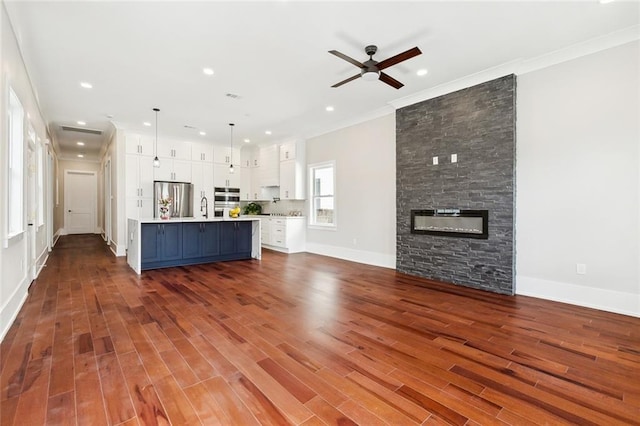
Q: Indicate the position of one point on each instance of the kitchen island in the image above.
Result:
(161, 243)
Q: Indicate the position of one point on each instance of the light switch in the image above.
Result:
(454, 158)
(581, 268)
(435, 161)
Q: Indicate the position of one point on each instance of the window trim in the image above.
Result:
(311, 224)
(15, 113)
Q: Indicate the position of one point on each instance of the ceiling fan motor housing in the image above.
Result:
(371, 49)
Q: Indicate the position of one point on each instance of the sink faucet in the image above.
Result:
(204, 205)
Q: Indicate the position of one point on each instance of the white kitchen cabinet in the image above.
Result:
(139, 144)
(202, 180)
(173, 170)
(139, 187)
(222, 177)
(292, 180)
(224, 155)
(269, 166)
(285, 234)
(249, 157)
(139, 208)
(288, 150)
(202, 152)
(177, 150)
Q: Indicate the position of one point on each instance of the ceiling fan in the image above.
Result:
(372, 70)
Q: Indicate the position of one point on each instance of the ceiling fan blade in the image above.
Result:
(346, 81)
(398, 58)
(346, 58)
(390, 80)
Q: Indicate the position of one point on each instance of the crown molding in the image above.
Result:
(524, 66)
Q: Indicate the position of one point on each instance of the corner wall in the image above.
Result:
(478, 125)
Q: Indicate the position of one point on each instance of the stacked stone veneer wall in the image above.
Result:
(477, 124)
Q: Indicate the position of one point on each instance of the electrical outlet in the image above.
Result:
(435, 161)
(581, 268)
(355, 241)
(454, 158)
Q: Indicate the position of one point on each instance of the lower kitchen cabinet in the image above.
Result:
(285, 234)
(200, 239)
(235, 238)
(186, 243)
(161, 242)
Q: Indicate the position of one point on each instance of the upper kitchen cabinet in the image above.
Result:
(222, 177)
(139, 144)
(173, 170)
(249, 157)
(224, 154)
(177, 150)
(202, 152)
(269, 166)
(288, 150)
(292, 171)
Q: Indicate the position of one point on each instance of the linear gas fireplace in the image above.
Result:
(451, 223)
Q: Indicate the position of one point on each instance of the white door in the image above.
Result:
(31, 209)
(80, 202)
(107, 201)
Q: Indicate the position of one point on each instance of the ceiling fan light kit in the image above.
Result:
(371, 70)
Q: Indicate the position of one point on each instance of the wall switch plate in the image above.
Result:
(454, 158)
(581, 268)
(435, 161)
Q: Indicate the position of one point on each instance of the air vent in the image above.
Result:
(81, 130)
(232, 96)
(189, 127)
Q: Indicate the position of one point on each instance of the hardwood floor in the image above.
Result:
(305, 340)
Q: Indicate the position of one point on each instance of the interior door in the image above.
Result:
(31, 208)
(80, 202)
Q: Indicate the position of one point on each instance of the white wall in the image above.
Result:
(365, 159)
(577, 181)
(14, 276)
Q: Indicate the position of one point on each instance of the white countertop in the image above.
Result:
(198, 219)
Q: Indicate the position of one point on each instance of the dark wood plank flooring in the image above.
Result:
(304, 340)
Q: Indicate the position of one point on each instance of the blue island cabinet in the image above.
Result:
(200, 239)
(161, 242)
(235, 241)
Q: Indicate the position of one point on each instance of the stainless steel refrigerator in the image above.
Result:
(180, 194)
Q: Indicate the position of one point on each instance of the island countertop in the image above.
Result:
(164, 244)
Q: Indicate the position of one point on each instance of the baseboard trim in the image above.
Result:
(605, 300)
(117, 250)
(359, 256)
(41, 261)
(9, 311)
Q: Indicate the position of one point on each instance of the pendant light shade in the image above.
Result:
(231, 156)
(156, 160)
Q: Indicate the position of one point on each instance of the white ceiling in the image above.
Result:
(273, 54)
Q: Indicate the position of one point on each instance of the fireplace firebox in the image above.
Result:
(451, 223)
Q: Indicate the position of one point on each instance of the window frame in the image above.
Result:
(14, 225)
(312, 223)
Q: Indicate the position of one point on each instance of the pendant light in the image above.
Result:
(156, 160)
(231, 157)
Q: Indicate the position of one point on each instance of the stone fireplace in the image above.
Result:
(455, 160)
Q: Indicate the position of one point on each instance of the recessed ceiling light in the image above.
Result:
(422, 72)
(81, 123)
(267, 132)
(80, 155)
(329, 108)
(203, 133)
(207, 71)
(247, 140)
(146, 123)
(80, 143)
(86, 85)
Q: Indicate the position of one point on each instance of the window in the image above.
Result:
(322, 190)
(15, 208)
